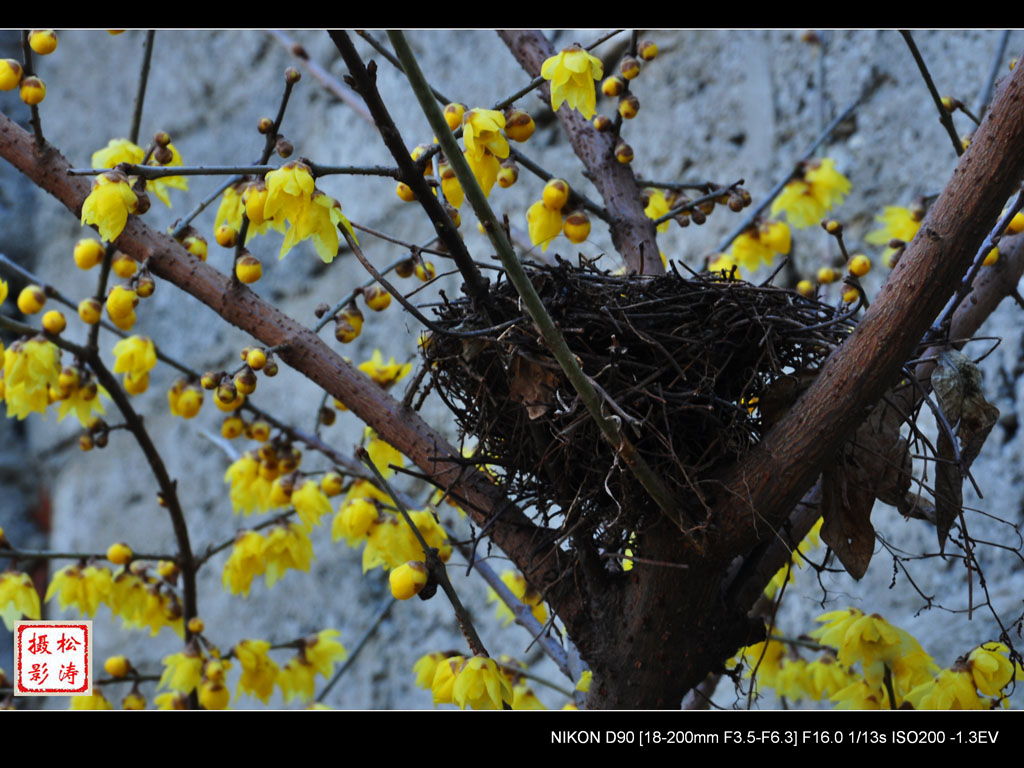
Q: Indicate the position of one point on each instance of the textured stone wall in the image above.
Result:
(714, 105)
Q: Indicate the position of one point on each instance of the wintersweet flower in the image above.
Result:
(897, 224)
(523, 697)
(425, 668)
(544, 224)
(952, 689)
(756, 246)
(120, 151)
(289, 191)
(657, 206)
(18, 597)
(230, 209)
(311, 503)
(808, 198)
(481, 685)
(323, 650)
(182, 671)
(297, 679)
(767, 663)
(250, 492)
(481, 131)
(319, 220)
(572, 74)
(97, 701)
(109, 203)
(83, 402)
(135, 357)
(287, 546)
(31, 369)
(444, 679)
(382, 454)
(245, 563)
(385, 374)
(991, 669)
(485, 168)
(84, 588)
(259, 671)
(725, 262)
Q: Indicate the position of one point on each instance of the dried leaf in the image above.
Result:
(532, 385)
(846, 508)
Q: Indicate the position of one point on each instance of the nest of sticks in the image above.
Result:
(695, 369)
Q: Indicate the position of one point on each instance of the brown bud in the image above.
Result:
(327, 416)
(405, 268)
(698, 216)
(321, 309)
(163, 155)
(162, 138)
(735, 203)
(101, 439)
(145, 285)
(264, 125)
(682, 220)
(143, 202)
(270, 369)
(284, 147)
(603, 123)
(299, 52)
(706, 207)
(292, 75)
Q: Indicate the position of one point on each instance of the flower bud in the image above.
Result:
(248, 269)
(602, 123)
(556, 194)
(42, 41)
(613, 85)
(90, 310)
(54, 322)
(623, 152)
(577, 227)
(264, 125)
(292, 75)
(629, 105)
(377, 298)
(629, 67)
(123, 265)
(453, 114)
(31, 299)
(88, 253)
(647, 50)
(519, 126)
(283, 147)
(10, 74)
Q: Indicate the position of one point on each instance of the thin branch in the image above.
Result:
(760, 207)
(382, 614)
(437, 569)
(944, 117)
(365, 82)
(140, 93)
(44, 554)
(160, 171)
(997, 64)
(329, 83)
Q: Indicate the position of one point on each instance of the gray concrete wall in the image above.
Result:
(714, 105)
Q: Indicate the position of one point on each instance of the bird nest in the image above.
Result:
(694, 369)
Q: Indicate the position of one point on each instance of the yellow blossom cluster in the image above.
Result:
(135, 357)
(317, 655)
(759, 245)
(18, 598)
(287, 200)
(476, 682)
(262, 480)
(139, 598)
(389, 541)
(897, 224)
(286, 546)
(869, 657)
(786, 575)
(31, 369)
(816, 190)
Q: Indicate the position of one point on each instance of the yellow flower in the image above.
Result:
(485, 168)
(245, 563)
(382, 454)
(481, 685)
(319, 219)
(18, 597)
(657, 206)
(806, 200)
(289, 191)
(83, 401)
(825, 677)
(384, 374)
(311, 503)
(523, 697)
(250, 491)
(725, 262)
(481, 131)
(31, 368)
(123, 151)
(136, 357)
(767, 662)
(860, 695)
(230, 209)
(950, 690)
(572, 74)
(897, 224)
(444, 679)
(259, 671)
(426, 667)
(182, 671)
(544, 223)
(756, 246)
(108, 204)
(585, 680)
(322, 651)
(287, 546)
(989, 666)
(296, 679)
